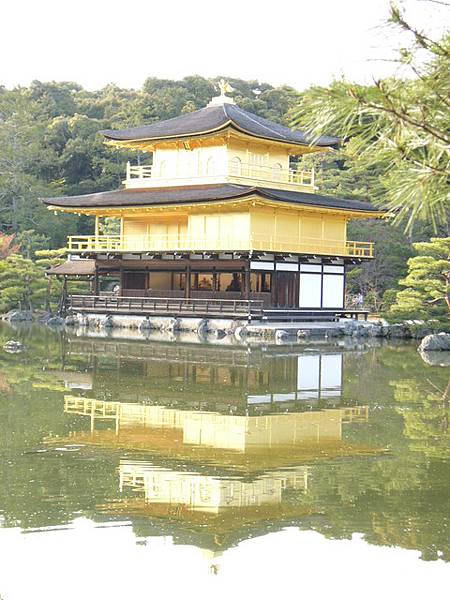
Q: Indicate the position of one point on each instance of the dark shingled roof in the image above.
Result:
(73, 267)
(200, 194)
(215, 118)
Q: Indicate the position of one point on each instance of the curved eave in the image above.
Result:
(131, 143)
(251, 199)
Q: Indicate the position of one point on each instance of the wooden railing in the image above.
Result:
(312, 246)
(197, 307)
(185, 243)
(78, 405)
(271, 174)
(139, 171)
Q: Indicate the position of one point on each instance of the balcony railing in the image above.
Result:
(192, 307)
(148, 176)
(186, 243)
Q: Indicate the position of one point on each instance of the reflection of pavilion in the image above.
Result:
(210, 510)
(249, 378)
(204, 493)
(209, 478)
(249, 442)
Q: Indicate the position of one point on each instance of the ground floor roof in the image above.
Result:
(184, 195)
(74, 268)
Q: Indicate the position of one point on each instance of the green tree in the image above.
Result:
(29, 242)
(22, 283)
(427, 283)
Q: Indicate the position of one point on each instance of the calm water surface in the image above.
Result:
(162, 468)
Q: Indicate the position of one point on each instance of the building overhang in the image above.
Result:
(206, 198)
(220, 136)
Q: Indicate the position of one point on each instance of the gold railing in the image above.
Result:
(185, 243)
(270, 174)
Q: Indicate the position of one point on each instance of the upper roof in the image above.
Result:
(216, 118)
(200, 194)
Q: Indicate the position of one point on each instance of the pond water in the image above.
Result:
(130, 469)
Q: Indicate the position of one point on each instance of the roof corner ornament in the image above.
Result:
(224, 88)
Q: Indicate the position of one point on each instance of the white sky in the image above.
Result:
(95, 42)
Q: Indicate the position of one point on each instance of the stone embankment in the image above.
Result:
(257, 330)
(219, 328)
(345, 327)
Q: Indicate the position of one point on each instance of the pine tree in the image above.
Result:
(427, 293)
(22, 283)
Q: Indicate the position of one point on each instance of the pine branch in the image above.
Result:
(421, 39)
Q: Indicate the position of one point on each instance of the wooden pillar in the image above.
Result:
(121, 281)
(62, 300)
(97, 225)
(96, 286)
(247, 279)
(274, 288)
(187, 291)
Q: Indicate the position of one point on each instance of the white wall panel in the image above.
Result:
(261, 265)
(310, 290)
(333, 291)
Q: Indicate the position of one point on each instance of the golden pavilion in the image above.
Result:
(222, 220)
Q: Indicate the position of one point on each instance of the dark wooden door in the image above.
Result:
(134, 281)
(287, 289)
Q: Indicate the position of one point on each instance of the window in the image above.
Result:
(160, 280)
(260, 282)
(202, 281)
(277, 171)
(211, 166)
(236, 166)
(179, 281)
(229, 282)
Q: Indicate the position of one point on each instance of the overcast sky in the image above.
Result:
(299, 43)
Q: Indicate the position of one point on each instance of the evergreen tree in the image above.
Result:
(22, 284)
(427, 283)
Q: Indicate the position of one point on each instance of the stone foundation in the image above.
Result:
(278, 332)
(199, 326)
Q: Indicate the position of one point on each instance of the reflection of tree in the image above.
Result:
(424, 406)
(395, 501)
(400, 499)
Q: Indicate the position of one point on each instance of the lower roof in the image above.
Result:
(201, 194)
(73, 267)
